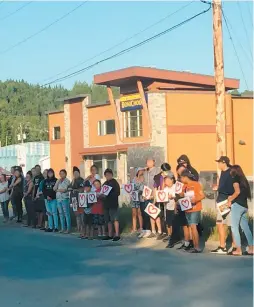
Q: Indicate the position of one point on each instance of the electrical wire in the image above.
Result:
(230, 37)
(17, 10)
(44, 29)
(118, 44)
(244, 26)
(130, 48)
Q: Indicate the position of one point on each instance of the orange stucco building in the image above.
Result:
(161, 113)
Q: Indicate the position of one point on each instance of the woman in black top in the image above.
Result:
(28, 199)
(17, 193)
(239, 209)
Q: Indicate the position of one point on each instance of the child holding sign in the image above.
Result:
(88, 217)
(135, 204)
(97, 211)
(193, 190)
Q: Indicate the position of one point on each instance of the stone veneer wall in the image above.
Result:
(67, 139)
(85, 102)
(158, 116)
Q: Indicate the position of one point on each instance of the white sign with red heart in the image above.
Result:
(134, 196)
(178, 187)
(105, 190)
(185, 203)
(82, 201)
(92, 198)
(161, 196)
(128, 188)
(152, 210)
(147, 192)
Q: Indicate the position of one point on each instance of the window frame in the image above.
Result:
(102, 127)
(54, 133)
(127, 119)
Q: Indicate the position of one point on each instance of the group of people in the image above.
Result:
(47, 197)
(48, 200)
(232, 186)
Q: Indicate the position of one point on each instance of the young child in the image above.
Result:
(136, 212)
(193, 190)
(169, 188)
(97, 211)
(88, 217)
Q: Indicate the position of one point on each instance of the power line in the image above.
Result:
(44, 29)
(130, 48)
(248, 55)
(230, 37)
(17, 10)
(119, 44)
(244, 26)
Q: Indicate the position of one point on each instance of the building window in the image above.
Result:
(56, 133)
(104, 162)
(133, 123)
(106, 127)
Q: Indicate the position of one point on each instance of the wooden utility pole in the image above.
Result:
(219, 80)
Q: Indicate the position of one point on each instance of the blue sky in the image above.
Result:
(97, 26)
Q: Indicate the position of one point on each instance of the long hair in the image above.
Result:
(236, 170)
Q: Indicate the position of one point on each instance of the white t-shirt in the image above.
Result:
(171, 191)
(4, 196)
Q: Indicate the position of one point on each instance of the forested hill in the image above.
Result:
(23, 107)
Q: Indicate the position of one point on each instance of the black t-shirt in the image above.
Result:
(225, 188)
(37, 180)
(111, 201)
(241, 199)
(47, 188)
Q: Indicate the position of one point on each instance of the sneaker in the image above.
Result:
(160, 236)
(146, 233)
(219, 250)
(116, 239)
(141, 235)
(152, 236)
(106, 238)
(170, 245)
(48, 230)
(194, 251)
(56, 230)
(181, 247)
(166, 239)
(188, 248)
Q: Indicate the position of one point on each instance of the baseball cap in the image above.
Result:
(87, 184)
(224, 159)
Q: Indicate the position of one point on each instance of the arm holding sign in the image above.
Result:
(198, 195)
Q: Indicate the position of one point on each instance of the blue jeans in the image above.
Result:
(63, 207)
(51, 206)
(239, 217)
(5, 210)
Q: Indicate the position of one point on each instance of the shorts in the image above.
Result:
(225, 220)
(39, 205)
(180, 218)
(98, 219)
(111, 215)
(193, 218)
(88, 219)
(135, 205)
(170, 215)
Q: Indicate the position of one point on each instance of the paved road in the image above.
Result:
(47, 270)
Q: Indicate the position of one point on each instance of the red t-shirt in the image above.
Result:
(97, 208)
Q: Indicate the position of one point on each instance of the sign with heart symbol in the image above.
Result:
(134, 196)
(147, 192)
(128, 188)
(152, 210)
(178, 187)
(161, 196)
(185, 203)
(105, 190)
(74, 203)
(92, 198)
(82, 200)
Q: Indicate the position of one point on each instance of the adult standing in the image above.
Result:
(50, 200)
(185, 161)
(239, 209)
(4, 197)
(28, 199)
(225, 189)
(149, 173)
(17, 193)
(10, 183)
(63, 202)
(39, 202)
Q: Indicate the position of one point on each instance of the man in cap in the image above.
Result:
(225, 189)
